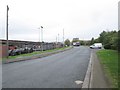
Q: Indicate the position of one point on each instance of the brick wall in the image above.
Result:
(3, 52)
(0, 51)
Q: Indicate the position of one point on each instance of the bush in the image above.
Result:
(113, 47)
(107, 46)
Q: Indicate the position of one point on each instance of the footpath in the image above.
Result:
(34, 56)
(95, 77)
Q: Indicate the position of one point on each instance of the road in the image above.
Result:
(56, 71)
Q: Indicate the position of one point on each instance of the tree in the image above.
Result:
(102, 37)
(109, 39)
(82, 42)
(92, 41)
(96, 40)
(118, 41)
(67, 42)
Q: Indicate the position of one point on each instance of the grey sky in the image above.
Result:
(79, 18)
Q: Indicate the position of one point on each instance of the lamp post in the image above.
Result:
(39, 38)
(7, 42)
(42, 38)
(41, 27)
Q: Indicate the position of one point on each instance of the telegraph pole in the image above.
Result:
(7, 42)
(58, 37)
(63, 37)
(56, 41)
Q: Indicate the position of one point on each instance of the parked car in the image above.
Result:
(22, 50)
(12, 52)
(17, 51)
(96, 46)
(30, 50)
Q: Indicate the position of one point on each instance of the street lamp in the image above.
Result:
(42, 37)
(7, 42)
(41, 27)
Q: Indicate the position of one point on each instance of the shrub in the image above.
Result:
(107, 46)
(113, 47)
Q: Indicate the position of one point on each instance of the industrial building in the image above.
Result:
(36, 46)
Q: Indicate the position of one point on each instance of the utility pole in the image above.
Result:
(7, 42)
(56, 42)
(58, 37)
(39, 38)
(63, 37)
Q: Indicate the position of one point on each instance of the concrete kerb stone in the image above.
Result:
(88, 76)
(34, 57)
(92, 65)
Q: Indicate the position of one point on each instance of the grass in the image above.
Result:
(34, 53)
(109, 60)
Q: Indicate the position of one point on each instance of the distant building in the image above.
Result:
(17, 44)
(75, 39)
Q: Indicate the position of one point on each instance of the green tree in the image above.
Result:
(102, 37)
(109, 39)
(67, 42)
(82, 42)
(92, 41)
(96, 40)
(87, 42)
(118, 41)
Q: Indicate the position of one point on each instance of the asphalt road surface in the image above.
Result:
(56, 71)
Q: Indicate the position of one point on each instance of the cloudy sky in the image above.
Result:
(83, 19)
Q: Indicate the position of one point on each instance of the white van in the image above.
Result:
(76, 43)
(96, 46)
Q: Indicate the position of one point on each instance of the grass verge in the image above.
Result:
(109, 60)
(34, 53)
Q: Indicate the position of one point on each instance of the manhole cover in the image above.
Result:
(78, 82)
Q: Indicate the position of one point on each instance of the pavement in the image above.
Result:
(95, 77)
(62, 70)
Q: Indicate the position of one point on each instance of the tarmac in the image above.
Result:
(95, 77)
